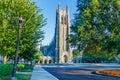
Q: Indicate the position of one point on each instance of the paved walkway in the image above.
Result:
(40, 74)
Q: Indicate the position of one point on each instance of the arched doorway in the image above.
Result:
(65, 58)
(45, 62)
(50, 61)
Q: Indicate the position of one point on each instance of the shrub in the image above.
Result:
(5, 69)
(20, 66)
(28, 68)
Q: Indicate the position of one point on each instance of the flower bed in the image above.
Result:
(115, 72)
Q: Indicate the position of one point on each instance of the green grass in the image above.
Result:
(26, 70)
(19, 77)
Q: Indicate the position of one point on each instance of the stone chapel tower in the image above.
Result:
(63, 50)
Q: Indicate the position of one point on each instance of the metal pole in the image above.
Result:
(16, 56)
(17, 48)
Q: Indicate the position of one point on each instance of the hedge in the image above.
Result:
(5, 69)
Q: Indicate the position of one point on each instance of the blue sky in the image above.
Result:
(49, 10)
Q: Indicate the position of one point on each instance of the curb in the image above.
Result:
(24, 72)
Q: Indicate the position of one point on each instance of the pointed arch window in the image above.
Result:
(62, 19)
(65, 20)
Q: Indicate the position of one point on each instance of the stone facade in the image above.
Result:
(63, 51)
(59, 50)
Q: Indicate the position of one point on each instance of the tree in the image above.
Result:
(38, 57)
(31, 32)
(75, 38)
(95, 28)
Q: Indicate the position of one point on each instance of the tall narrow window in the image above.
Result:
(62, 20)
(65, 20)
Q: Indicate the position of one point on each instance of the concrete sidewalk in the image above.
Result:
(40, 74)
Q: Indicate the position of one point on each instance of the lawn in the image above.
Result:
(19, 77)
(111, 72)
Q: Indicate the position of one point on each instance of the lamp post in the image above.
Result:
(20, 23)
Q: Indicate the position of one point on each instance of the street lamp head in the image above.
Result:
(20, 21)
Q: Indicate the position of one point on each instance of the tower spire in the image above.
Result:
(67, 9)
(58, 5)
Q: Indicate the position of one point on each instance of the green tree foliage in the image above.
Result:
(75, 36)
(96, 28)
(31, 33)
(38, 57)
(29, 54)
(75, 53)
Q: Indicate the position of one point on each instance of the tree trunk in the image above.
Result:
(17, 60)
(4, 59)
(31, 62)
